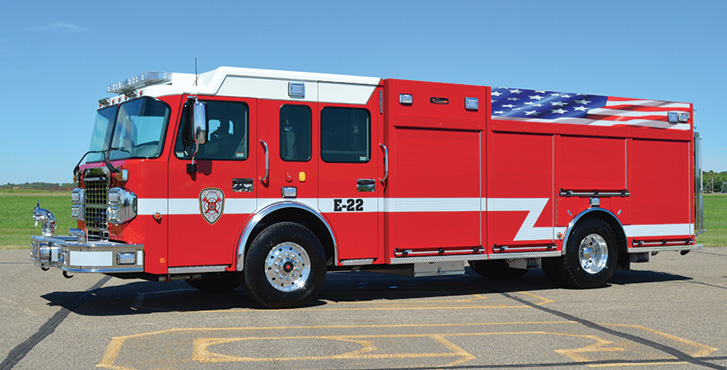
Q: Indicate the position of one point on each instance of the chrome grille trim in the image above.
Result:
(96, 183)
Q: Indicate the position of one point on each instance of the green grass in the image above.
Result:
(16, 210)
(715, 221)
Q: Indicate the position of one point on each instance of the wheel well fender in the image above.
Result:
(613, 221)
(287, 211)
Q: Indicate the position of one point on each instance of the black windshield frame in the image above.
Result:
(152, 125)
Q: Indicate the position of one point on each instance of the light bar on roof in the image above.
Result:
(144, 79)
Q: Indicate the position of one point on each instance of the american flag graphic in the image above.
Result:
(583, 109)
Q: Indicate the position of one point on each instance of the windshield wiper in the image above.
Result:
(106, 161)
(78, 165)
(106, 158)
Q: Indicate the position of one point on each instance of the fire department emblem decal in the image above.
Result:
(211, 204)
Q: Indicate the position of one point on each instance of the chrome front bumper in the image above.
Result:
(69, 254)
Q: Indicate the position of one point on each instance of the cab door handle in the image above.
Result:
(366, 185)
(243, 185)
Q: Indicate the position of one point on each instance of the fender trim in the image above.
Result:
(267, 210)
(575, 220)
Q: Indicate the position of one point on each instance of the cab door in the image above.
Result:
(349, 173)
(286, 130)
(209, 203)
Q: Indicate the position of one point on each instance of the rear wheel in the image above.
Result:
(591, 255)
(285, 267)
(498, 269)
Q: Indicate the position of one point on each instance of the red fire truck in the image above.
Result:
(270, 178)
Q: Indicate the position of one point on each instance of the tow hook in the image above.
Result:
(67, 275)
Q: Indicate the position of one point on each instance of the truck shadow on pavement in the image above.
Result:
(141, 297)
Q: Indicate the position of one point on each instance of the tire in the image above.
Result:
(591, 255)
(285, 267)
(216, 283)
(498, 269)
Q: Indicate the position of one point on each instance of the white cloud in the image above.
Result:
(62, 27)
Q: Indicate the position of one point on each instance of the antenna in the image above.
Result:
(196, 75)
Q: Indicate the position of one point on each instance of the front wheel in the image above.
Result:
(285, 267)
(591, 255)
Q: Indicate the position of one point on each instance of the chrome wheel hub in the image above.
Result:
(593, 253)
(287, 267)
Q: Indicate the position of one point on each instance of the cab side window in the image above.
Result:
(345, 135)
(227, 128)
(295, 133)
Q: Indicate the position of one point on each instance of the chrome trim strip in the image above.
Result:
(406, 252)
(595, 193)
(196, 269)
(103, 271)
(503, 256)
(257, 217)
(357, 262)
(504, 248)
(698, 186)
(579, 216)
(466, 257)
(59, 251)
(665, 248)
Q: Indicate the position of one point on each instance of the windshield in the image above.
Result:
(135, 129)
(101, 133)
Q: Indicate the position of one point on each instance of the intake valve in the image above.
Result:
(46, 218)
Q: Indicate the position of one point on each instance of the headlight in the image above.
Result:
(122, 206)
(77, 201)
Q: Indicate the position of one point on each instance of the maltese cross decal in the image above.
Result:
(211, 204)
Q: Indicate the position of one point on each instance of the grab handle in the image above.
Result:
(386, 163)
(267, 161)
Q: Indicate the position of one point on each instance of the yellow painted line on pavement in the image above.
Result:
(116, 344)
(543, 300)
(201, 351)
(203, 354)
(624, 364)
(705, 350)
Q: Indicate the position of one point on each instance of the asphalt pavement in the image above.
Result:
(670, 313)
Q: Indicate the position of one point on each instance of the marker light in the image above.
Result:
(144, 79)
(673, 117)
(296, 90)
(471, 103)
(683, 117)
(406, 99)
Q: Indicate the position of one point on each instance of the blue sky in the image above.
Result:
(56, 58)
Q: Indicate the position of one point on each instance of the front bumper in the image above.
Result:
(69, 254)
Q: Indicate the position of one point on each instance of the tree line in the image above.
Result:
(48, 186)
(714, 182)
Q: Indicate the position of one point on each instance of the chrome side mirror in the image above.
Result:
(199, 130)
(199, 122)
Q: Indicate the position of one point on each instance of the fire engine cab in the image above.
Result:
(270, 179)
